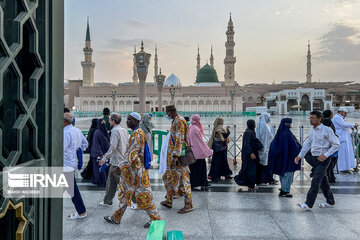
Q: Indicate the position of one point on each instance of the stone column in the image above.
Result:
(172, 94)
(160, 79)
(232, 95)
(142, 63)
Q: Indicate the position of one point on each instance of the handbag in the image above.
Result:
(219, 146)
(189, 157)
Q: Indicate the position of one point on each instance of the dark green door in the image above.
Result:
(31, 109)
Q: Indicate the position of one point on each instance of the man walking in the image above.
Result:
(346, 157)
(70, 164)
(322, 142)
(176, 173)
(115, 155)
(134, 178)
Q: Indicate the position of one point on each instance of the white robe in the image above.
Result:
(346, 159)
(265, 135)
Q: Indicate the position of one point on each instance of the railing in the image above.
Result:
(162, 114)
(234, 147)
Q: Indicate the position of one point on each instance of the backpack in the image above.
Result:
(147, 156)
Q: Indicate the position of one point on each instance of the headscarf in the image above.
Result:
(251, 125)
(146, 125)
(195, 121)
(94, 123)
(264, 134)
(283, 150)
(101, 141)
(218, 129)
(91, 132)
(102, 128)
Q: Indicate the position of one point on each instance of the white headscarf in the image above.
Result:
(265, 135)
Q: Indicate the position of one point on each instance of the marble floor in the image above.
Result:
(227, 211)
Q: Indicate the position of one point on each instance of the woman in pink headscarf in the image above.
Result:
(198, 170)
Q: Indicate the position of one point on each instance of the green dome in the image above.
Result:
(207, 74)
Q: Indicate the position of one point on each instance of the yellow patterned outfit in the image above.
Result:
(175, 177)
(134, 179)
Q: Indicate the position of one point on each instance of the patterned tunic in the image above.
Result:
(178, 175)
(134, 179)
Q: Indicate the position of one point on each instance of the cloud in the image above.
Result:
(128, 44)
(180, 44)
(340, 44)
(139, 24)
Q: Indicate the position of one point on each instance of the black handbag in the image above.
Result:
(189, 157)
(219, 146)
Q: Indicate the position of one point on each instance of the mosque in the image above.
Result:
(208, 93)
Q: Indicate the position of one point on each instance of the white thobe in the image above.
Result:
(346, 159)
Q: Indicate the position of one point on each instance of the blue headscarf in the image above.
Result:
(283, 150)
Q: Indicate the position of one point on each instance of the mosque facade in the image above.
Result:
(207, 93)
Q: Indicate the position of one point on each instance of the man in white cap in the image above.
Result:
(346, 159)
(134, 178)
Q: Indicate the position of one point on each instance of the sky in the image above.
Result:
(271, 38)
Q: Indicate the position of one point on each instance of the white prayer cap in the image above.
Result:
(342, 109)
(136, 116)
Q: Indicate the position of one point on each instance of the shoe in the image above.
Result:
(111, 220)
(326, 205)
(285, 194)
(134, 206)
(185, 210)
(166, 204)
(345, 172)
(228, 177)
(75, 216)
(275, 182)
(147, 225)
(105, 205)
(304, 206)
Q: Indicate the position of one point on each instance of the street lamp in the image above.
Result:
(172, 94)
(113, 96)
(142, 62)
(160, 79)
(232, 95)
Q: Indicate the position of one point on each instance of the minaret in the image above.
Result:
(308, 65)
(135, 76)
(156, 64)
(230, 60)
(211, 58)
(198, 61)
(88, 65)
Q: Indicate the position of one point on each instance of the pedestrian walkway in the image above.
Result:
(227, 211)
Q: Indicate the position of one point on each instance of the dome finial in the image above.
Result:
(230, 17)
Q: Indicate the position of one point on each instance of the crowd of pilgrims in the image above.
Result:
(264, 154)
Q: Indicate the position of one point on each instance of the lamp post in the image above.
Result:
(160, 79)
(232, 95)
(172, 94)
(142, 63)
(113, 96)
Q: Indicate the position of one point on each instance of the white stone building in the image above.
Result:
(299, 99)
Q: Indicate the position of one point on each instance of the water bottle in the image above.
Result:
(103, 167)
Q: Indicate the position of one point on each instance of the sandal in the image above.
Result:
(75, 216)
(111, 220)
(326, 205)
(304, 206)
(134, 207)
(166, 204)
(185, 210)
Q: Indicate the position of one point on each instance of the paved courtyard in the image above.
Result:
(227, 211)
